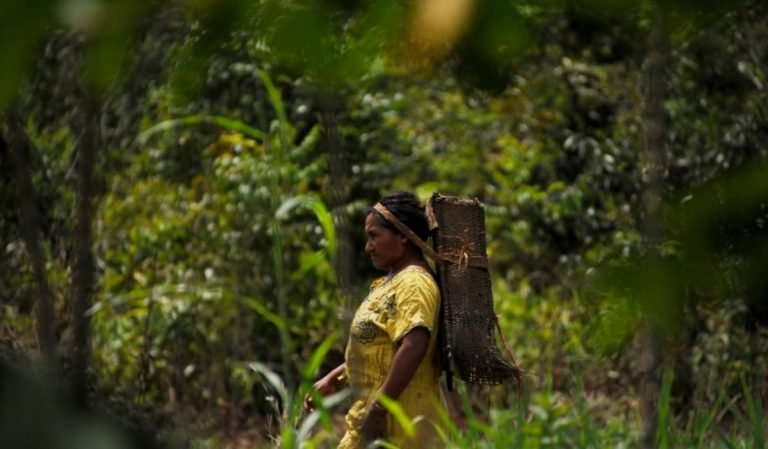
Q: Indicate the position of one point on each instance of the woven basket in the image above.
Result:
(468, 322)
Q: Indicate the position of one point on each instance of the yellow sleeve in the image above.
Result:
(417, 304)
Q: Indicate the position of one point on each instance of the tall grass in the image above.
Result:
(541, 417)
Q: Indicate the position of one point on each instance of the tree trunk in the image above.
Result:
(19, 149)
(83, 272)
(655, 137)
(333, 145)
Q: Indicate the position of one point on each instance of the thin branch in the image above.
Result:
(19, 149)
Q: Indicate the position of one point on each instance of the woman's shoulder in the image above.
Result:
(416, 275)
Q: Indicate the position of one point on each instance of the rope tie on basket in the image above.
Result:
(463, 259)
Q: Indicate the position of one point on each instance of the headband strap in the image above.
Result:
(463, 259)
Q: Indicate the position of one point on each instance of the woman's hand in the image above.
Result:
(375, 424)
(326, 386)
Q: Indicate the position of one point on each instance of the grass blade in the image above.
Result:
(318, 207)
(262, 310)
(756, 415)
(664, 435)
(191, 120)
(318, 356)
(399, 414)
(272, 378)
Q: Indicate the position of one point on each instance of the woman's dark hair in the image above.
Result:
(407, 208)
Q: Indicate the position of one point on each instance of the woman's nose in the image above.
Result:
(368, 247)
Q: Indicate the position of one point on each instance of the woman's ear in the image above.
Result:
(403, 239)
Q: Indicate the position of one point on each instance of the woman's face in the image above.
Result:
(385, 247)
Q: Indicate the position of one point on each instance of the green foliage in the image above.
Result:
(186, 249)
(547, 418)
(242, 144)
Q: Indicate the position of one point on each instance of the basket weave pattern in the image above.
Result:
(469, 321)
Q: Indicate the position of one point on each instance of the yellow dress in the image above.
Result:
(393, 308)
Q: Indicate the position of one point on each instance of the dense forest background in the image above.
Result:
(183, 188)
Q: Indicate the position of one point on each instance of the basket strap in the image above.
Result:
(448, 368)
(464, 259)
(518, 370)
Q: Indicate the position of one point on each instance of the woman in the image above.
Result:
(393, 335)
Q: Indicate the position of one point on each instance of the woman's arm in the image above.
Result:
(336, 373)
(406, 361)
(329, 384)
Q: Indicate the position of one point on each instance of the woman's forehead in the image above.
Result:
(372, 222)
